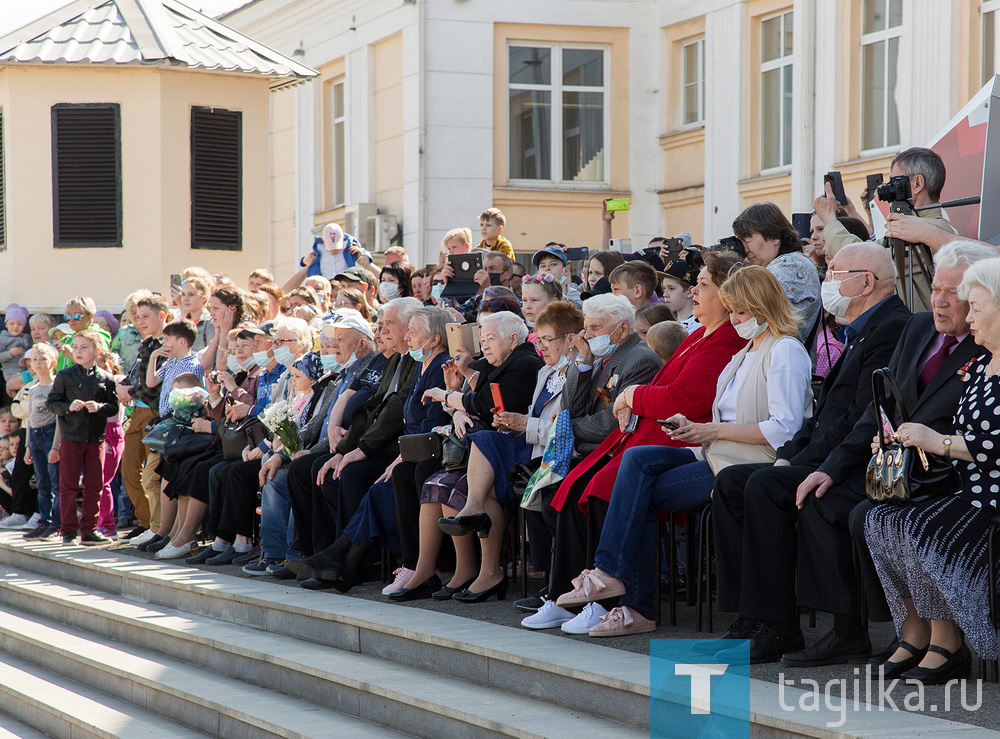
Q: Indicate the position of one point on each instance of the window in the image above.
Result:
(776, 91)
(86, 175)
(557, 114)
(693, 83)
(882, 21)
(337, 150)
(216, 179)
(989, 10)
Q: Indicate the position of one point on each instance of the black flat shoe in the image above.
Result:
(343, 585)
(532, 603)
(223, 558)
(146, 544)
(462, 525)
(832, 649)
(137, 531)
(421, 591)
(155, 546)
(883, 656)
(892, 670)
(316, 566)
(447, 591)
(202, 556)
(958, 665)
(499, 590)
(762, 646)
(741, 628)
(313, 583)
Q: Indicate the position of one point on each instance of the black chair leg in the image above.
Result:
(522, 525)
(704, 573)
(671, 564)
(658, 606)
(689, 556)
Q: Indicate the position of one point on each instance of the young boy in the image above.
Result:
(491, 225)
(664, 338)
(635, 280)
(259, 277)
(552, 261)
(677, 279)
(83, 397)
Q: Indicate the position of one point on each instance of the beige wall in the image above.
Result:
(155, 150)
(387, 57)
(283, 247)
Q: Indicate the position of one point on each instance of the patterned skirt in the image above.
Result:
(935, 553)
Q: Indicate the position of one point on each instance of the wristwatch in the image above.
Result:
(947, 446)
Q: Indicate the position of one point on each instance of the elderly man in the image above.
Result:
(792, 521)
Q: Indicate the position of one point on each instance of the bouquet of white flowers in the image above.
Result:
(279, 419)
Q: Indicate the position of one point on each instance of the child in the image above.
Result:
(178, 337)
(491, 225)
(83, 397)
(664, 338)
(635, 280)
(649, 315)
(14, 342)
(114, 447)
(552, 261)
(677, 279)
(258, 277)
(43, 441)
(6, 468)
(303, 375)
(22, 502)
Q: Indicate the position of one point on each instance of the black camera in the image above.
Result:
(730, 243)
(896, 189)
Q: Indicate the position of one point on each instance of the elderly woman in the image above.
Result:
(771, 241)
(193, 302)
(931, 556)
(342, 564)
(685, 385)
(521, 438)
(511, 363)
(761, 397)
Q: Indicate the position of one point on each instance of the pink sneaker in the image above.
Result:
(401, 577)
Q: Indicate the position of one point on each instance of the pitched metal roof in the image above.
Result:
(145, 32)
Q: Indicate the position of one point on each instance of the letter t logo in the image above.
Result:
(701, 684)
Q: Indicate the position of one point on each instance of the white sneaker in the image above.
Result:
(36, 518)
(403, 576)
(172, 552)
(142, 538)
(547, 617)
(590, 616)
(14, 521)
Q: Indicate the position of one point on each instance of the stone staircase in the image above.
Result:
(94, 643)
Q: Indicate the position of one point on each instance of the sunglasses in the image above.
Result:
(73, 316)
(495, 305)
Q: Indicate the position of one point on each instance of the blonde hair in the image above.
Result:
(82, 303)
(46, 350)
(190, 272)
(665, 337)
(262, 274)
(133, 298)
(461, 232)
(754, 290)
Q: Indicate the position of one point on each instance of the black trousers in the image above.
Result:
(24, 499)
(878, 609)
(308, 506)
(236, 499)
(343, 496)
(772, 557)
(576, 534)
(407, 480)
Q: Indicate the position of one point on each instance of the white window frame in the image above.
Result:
(699, 82)
(786, 60)
(987, 7)
(338, 157)
(873, 38)
(556, 90)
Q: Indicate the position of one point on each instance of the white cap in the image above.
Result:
(63, 327)
(349, 318)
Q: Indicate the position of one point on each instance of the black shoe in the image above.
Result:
(137, 531)
(462, 525)
(830, 650)
(146, 544)
(313, 583)
(94, 539)
(223, 558)
(532, 603)
(499, 590)
(885, 654)
(203, 556)
(957, 666)
(765, 645)
(424, 590)
(891, 670)
(36, 533)
(69, 539)
(157, 545)
(281, 573)
(447, 591)
(311, 567)
(741, 628)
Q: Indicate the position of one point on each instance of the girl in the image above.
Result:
(43, 441)
(537, 291)
(114, 441)
(14, 342)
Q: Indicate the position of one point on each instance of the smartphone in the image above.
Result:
(801, 222)
(497, 398)
(838, 186)
(462, 334)
(576, 253)
(667, 424)
(633, 421)
(872, 181)
(175, 282)
(622, 245)
(616, 204)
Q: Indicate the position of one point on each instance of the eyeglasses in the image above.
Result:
(544, 342)
(282, 342)
(849, 271)
(73, 316)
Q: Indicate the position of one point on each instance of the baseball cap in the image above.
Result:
(549, 250)
(63, 327)
(354, 274)
(351, 318)
(680, 269)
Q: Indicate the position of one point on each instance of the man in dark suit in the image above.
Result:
(754, 504)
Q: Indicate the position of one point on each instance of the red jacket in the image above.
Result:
(685, 385)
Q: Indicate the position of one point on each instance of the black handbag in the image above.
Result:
(176, 440)
(415, 448)
(898, 474)
(237, 435)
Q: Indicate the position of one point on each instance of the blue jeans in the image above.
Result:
(276, 522)
(47, 475)
(651, 479)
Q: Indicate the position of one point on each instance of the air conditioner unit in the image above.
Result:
(356, 221)
(381, 231)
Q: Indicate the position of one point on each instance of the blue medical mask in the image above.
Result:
(419, 355)
(601, 346)
(351, 360)
(261, 359)
(283, 356)
(436, 291)
(563, 361)
(232, 364)
(329, 362)
(248, 364)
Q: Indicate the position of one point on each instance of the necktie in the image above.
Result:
(935, 362)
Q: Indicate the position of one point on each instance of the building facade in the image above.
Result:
(429, 111)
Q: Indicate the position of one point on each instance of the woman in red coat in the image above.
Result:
(684, 385)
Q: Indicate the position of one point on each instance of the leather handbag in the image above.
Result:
(415, 448)
(898, 474)
(237, 435)
(175, 440)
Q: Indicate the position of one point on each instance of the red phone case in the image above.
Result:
(497, 400)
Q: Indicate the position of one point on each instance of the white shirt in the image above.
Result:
(331, 263)
(690, 324)
(787, 381)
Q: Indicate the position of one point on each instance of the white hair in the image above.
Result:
(405, 307)
(985, 274)
(963, 253)
(506, 323)
(610, 306)
(298, 328)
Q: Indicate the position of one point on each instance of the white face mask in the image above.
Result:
(750, 329)
(834, 302)
(388, 290)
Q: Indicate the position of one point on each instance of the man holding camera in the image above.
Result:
(930, 227)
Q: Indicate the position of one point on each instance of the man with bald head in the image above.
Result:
(758, 530)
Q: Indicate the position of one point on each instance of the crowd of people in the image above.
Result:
(298, 430)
